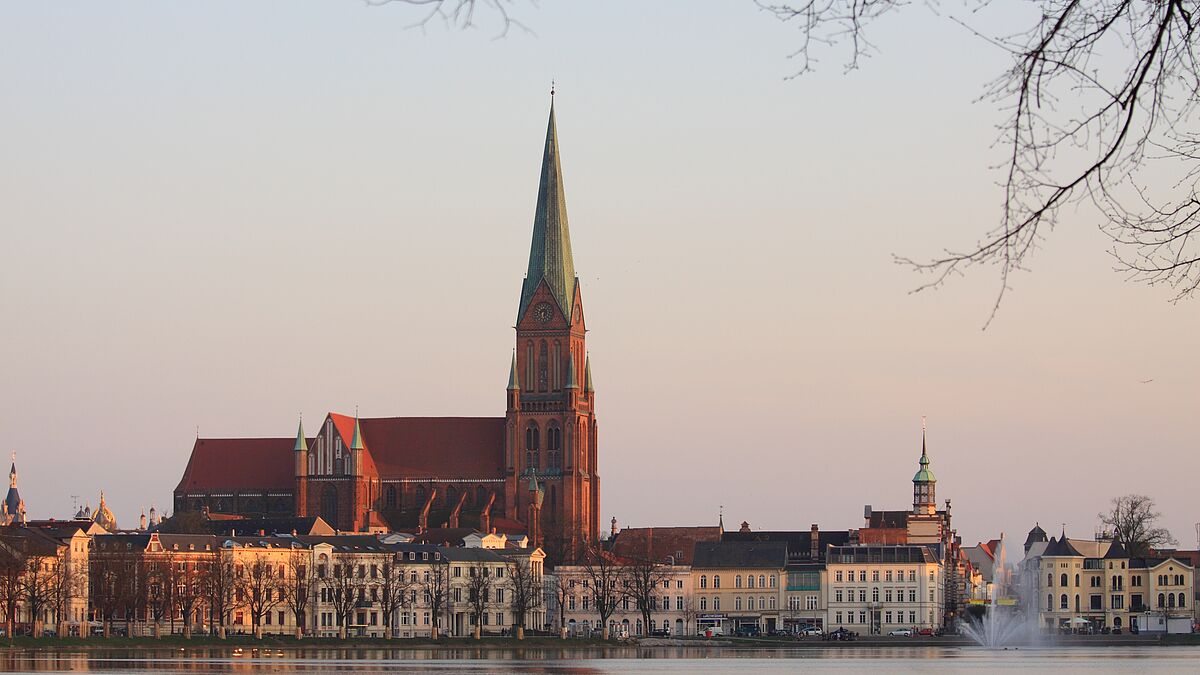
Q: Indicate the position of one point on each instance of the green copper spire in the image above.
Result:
(572, 382)
(550, 254)
(587, 374)
(924, 475)
(357, 443)
(514, 383)
(301, 439)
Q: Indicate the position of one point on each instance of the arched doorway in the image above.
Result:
(329, 505)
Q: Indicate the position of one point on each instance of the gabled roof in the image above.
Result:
(550, 258)
(1060, 548)
(429, 447)
(739, 554)
(660, 543)
(239, 464)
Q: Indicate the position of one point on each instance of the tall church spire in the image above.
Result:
(550, 254)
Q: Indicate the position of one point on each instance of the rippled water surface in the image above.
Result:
(621, 661)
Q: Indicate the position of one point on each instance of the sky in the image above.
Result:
(221, 215)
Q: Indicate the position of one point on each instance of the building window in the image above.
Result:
(1063, 602)
(703, 603)
(716, 581)
(703, 581)
(737, 581)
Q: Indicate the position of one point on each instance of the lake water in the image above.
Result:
(631, 661)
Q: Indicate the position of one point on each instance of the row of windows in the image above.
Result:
(750, 603)
(887, 618)
(764, 581)
(888, 575)
(1165, 601)
(888, 595)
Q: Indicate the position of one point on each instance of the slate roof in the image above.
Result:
(880, 554)
(739, 554)
(888, 519)
(1060, 548)
(313, 525)
(799, 542)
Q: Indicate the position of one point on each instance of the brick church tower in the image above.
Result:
(550, 431)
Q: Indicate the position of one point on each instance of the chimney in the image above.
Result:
(614, 529)
(814, 547)
(262, 532)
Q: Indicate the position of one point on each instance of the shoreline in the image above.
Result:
(246, 645)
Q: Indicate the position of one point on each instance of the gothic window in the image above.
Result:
(543, 363)
(554, 446)
(329, 505)
(451, 497)
(532, 446)
(419, 497)
(481, 496)
(529, 367)
(558, 383)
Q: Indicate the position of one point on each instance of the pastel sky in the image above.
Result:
(222, 214)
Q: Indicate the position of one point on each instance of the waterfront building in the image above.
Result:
(533, 470)
(737, 585)
(1090, 585)
(876, 589)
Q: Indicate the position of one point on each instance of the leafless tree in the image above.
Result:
(394, 590)
(66, 586)
(602, 573)
(479, 591)
(220, 582)
(38, 589)
(641, 579)
(1134, 521)
(105, 588)
(525, 586)
(690, 614)
(1100, 97)
(258, 585)
(190, 591)
(12, 565)
(162, 581)
(459, 13)
(435, 587)
(297, 587)
(559, 587)
(342, 589)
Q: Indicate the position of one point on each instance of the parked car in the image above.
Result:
(901, 632)
(841, 634)
(660, 632)
(711, 631)
(812, 631)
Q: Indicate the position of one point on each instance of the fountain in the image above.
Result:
(1003, 625)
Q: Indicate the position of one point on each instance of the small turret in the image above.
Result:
(301, 450)
(572, 381)
(587, 375)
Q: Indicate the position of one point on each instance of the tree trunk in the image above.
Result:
(562, 632)
(258, 632)
(157, 630)
(604, 632)
(520, 632)
(187, 630)
(478, 631)
(433, 633)
(342, 632)
(299, 632)
(107, 628)
(221, 632)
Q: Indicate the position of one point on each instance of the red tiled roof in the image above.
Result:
(429, 447)
(658, 543)
(239, 464)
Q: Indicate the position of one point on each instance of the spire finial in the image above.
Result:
(551, 88)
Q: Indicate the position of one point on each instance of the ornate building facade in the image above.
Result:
(533, 470)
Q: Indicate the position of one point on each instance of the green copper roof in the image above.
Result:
(924, 475)
(357, 443)
(301, 440)
(587, 374)
(550, 254)
(572, 381)
(514, 383)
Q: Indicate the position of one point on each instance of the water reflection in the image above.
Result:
(592, 661)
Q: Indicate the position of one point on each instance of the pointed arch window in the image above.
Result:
(558, 383)
(532, 446)
(389, 500)
(554, 446)
(529, 366)
(543, 366)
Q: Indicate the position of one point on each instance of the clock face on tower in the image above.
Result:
(543, 312)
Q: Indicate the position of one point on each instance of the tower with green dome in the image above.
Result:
(924, 484)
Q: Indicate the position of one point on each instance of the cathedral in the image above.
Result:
(531, 471)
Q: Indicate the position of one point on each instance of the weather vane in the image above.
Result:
(552, 87)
